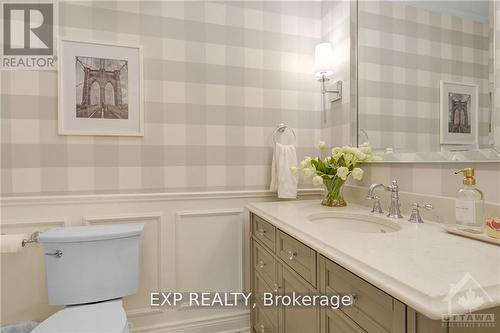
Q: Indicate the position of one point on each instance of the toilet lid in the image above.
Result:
(103, 317)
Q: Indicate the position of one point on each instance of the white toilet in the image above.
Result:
(89, 269)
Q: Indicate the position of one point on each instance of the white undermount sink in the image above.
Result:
(352, 222)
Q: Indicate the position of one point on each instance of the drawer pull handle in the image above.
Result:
(262, 328)
(292, 255)
(276, 288)
(261, 264)
(261, 232)
(57, 254)
(354, 297)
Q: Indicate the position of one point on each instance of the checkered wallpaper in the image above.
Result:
(218, 77)
(404, 52)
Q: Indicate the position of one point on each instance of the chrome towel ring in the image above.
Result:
(280, 129)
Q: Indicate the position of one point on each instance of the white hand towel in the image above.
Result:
(283, 180)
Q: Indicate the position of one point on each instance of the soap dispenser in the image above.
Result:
(469, 204)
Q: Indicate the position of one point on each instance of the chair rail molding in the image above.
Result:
(138, 197)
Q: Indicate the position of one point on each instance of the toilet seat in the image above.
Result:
(103, 317)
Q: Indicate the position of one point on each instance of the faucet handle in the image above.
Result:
(426, 206)
(376, 205)
(415, 213)
(394, 186)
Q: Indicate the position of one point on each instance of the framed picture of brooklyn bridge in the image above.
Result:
(459, 113)
(100, 89)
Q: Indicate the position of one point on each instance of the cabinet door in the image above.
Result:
(373, 310)
(262, 323)
(337, 322)
(418, 323)
(264, 263)
(261, 287)
(297, 319)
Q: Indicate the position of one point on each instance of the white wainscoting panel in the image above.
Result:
(209, 250)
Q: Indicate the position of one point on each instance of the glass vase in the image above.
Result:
(333, 193)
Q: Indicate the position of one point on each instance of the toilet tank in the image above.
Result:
(91, 263)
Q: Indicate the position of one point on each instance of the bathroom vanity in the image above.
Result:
(399, 273)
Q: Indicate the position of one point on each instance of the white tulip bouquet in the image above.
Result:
(333, 170)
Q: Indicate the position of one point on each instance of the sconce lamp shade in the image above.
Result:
(323, 59)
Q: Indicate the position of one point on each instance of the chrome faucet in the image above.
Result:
(415, 213)
(376, 200)
(394, 210)
(372, 188)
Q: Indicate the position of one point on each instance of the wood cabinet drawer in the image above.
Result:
(260, 287)
(264, 232)
(337, 322)
(373, 310)
(262, 323)
(265, 264)
(298, 256)
(297, 319)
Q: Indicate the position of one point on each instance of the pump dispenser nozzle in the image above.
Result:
(469, 178)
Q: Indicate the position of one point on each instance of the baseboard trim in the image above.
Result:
(238, 322)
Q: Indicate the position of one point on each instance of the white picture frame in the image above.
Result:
(100, 88)
(458, 120)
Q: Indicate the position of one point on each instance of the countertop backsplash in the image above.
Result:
(443, 211)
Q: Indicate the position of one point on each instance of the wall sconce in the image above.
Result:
(323, 59)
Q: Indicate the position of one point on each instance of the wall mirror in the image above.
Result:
(426, 79)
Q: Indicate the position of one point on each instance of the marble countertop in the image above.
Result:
(418, 265)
